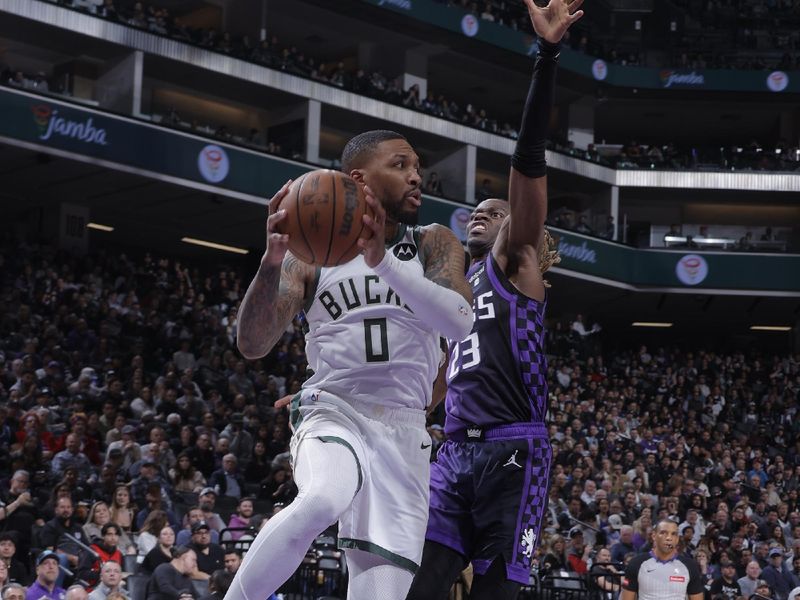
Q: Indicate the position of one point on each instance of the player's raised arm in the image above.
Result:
(276, 293)
(527, 192)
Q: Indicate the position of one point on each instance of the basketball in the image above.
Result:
(324, 210)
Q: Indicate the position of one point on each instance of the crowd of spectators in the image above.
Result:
(709, 440)
(732, 34)
(129, 421)
(751, 156)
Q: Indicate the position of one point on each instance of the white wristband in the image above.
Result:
(442, 309)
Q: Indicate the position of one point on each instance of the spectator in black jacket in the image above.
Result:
(210, 556)
(171, 579)
(53, 535)
(17, 570)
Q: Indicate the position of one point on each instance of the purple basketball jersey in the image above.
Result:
(497, 374)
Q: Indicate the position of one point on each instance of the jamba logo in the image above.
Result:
(50, 123)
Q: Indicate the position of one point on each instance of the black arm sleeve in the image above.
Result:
(528, 157)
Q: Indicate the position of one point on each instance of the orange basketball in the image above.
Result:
(324, 210)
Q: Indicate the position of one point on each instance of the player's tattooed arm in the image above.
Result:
(444, 259)
(275, 295)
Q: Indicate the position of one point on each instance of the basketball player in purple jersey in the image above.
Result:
(489, 482)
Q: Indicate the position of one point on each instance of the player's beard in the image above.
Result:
(399, 214)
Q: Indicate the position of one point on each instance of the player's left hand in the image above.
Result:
(552, 21)
(373, 243)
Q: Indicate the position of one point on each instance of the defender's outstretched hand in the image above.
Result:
(277, 243)
(552, 21)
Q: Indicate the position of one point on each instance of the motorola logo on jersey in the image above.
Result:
(405, 251)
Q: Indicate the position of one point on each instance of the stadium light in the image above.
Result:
(651, 324)
(214, 245)
(770, 328)
(99, 227)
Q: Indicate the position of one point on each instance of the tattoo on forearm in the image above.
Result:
(445, 263)
(268, 304)
(438, 268)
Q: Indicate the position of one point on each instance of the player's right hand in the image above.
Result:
(373, 240)
(277, 243)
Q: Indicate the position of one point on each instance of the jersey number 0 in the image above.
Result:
(376, 341)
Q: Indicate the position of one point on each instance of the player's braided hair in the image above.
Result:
(548, 254)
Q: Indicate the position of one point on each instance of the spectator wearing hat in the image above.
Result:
(131, 451)
(210, 556)
(726, 585)
(748, 583)
(17, 570)
(207, 501)
(47, 571)
(777, 575)
(227, 481)
(110, 581)
(578, 553)
(241, 441)
(612, 528)
(763, 591)
(624, 546)
(172, 579)
(194, 515)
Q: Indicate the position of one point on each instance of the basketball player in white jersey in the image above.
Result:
(360, 448)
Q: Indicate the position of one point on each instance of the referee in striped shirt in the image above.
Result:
(662, 574)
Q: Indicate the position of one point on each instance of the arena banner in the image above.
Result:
(648, 268)
(468, 24)
(48, 124)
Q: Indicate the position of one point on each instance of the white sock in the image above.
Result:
(327, 479)
(372, 576)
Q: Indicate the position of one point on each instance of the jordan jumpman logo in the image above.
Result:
(513, 460)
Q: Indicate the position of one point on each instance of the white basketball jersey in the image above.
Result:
(364, 344)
